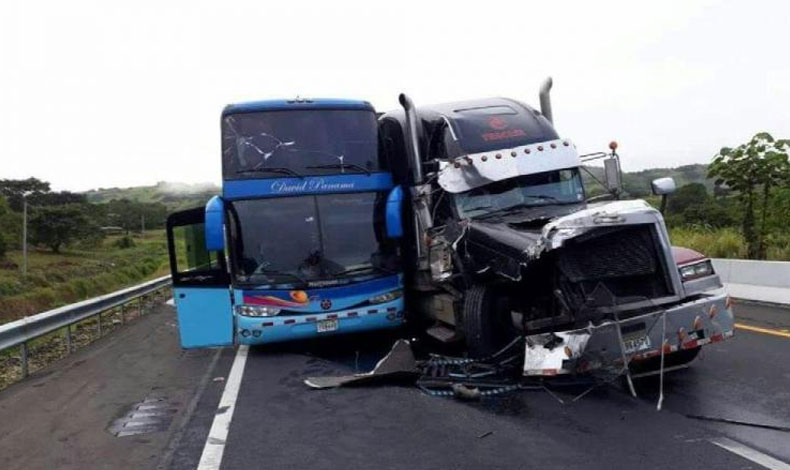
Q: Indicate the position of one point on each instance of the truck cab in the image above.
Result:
(503, 241)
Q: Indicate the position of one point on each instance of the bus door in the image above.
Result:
(201, 283)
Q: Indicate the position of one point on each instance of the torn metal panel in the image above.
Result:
(506, 246)
(440, 259)
(613, 213)
(554, 353)
(398, 364)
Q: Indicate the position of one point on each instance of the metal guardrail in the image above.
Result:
(20, 332)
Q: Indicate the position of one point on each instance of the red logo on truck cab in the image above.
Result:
(497, 123)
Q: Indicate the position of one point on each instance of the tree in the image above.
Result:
(708, 214)
(59, 198)
(130, 214)
(753, 170)
(56, 226)
(686, 196)
(14, 189)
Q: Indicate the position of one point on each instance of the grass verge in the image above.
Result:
(78, 273)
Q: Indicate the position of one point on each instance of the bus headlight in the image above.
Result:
(388, 297)
(256, 310)
(696, 270)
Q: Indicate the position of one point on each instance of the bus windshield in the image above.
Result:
(539, 189)
(314, 240)
(299, 141)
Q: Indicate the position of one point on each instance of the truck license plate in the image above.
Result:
(636, 344)
(324, 326)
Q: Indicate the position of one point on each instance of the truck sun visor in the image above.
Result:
(478, 169)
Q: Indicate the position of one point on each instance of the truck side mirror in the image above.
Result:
(614, 181)
(215, 224)
(663, 187)
(393, 219)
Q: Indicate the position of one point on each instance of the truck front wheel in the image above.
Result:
(485, 321)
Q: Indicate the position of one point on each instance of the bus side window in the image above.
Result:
(190, 247)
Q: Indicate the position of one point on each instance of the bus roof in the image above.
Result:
(296, 104)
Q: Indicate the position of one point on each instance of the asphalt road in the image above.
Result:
(60, 418)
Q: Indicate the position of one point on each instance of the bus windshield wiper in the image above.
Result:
(275, 169)
(362, 268)
(275, 272)
(342, 167)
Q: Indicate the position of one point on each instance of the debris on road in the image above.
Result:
(398, 365)
(545, 362)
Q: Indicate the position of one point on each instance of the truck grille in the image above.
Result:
(625, 261)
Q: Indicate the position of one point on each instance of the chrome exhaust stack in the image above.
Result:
(545, 99)
(420, 192)
(411, 125)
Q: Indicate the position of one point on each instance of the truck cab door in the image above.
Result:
(201, 283)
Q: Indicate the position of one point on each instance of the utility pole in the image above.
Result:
(24, 233)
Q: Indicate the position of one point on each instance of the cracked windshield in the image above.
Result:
(540, 189)
(298, 143)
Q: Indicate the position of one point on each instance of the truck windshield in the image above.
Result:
(314, 240)
(299, 141)
(551, 187)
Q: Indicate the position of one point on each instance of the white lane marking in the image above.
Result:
(218, 434)
(167, 456)
(751, 454)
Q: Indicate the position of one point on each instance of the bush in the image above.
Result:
(124, 242)
(10, 287)
(716, 243)
(778, 246)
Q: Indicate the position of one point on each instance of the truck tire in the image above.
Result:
(485, 331)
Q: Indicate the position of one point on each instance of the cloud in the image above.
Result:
(111, 94)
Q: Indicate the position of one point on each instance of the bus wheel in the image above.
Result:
(484, 327)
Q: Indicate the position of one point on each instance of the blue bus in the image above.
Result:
(303, 241)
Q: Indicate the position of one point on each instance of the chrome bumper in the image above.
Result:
(688, 325)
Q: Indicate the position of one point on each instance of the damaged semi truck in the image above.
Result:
(501, 241)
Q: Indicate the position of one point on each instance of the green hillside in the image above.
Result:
(178, 196)
(175, 196)
(637, 183)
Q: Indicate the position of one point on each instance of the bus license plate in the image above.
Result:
(324, 326)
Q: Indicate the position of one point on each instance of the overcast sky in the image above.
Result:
(101, 94)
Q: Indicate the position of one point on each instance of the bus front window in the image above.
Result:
(300, 141)
(320, 239)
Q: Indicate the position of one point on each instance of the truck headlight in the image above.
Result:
(256, 310)
(696, 270)
(388, 297)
